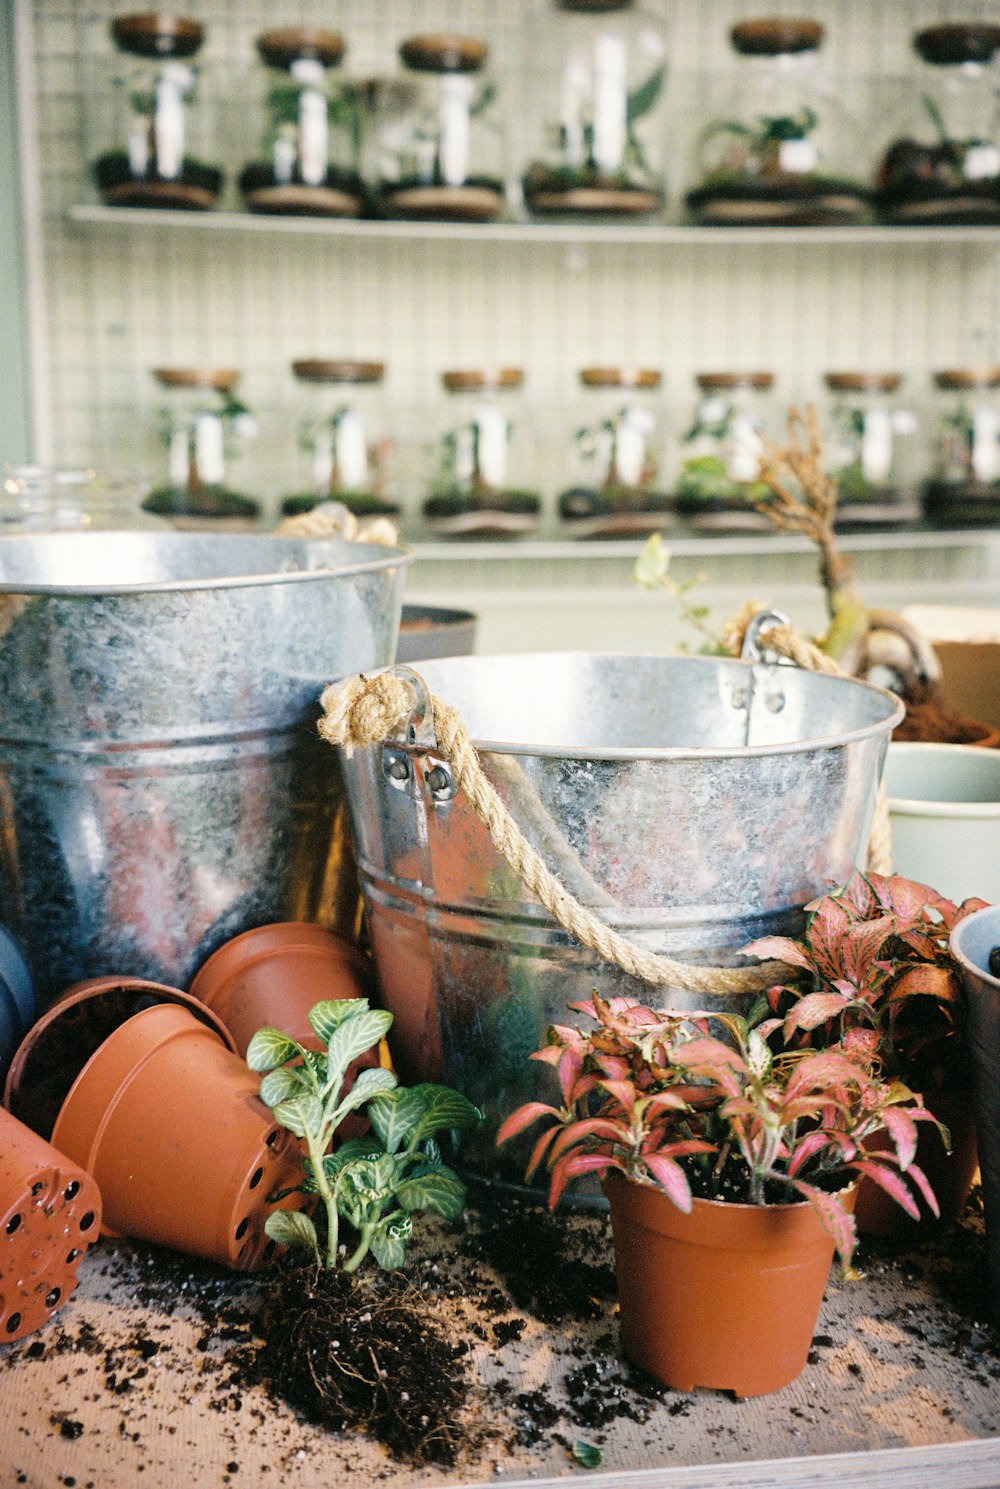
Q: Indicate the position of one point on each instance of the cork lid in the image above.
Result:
(223, 380)
(620, 377)
(775, 36)
(863, 382)
(594, 7)
(486, 377)
(337, 370)
(965, 41)
(711, 382)
(443, 52)
(288, 44)
(157, 34)
(968, 377)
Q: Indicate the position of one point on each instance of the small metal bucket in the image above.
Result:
(162, 787)
(693, 803)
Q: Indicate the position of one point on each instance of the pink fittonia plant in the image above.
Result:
(664, 1102)
(877, 973)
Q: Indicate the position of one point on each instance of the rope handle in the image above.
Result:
(365, 711)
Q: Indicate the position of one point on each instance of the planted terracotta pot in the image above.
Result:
(50, 1212)
(950, 1174)
(55, 1050)
(168, 1121)
(274, 975)
(727, 1296)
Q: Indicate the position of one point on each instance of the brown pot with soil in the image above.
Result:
(950, 1175)
(50, 1212)
(169, 1122)
(726, 1296)
(55, 1050)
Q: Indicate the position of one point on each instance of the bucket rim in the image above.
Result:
(371, 558)
(894, 715)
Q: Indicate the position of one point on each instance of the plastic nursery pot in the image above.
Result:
(972, 942)
(726, 1297)
(17, 998)
(55, 1050)
(168, 1121)
(274, 975)
(944, 806)
(50, 1212)
(950, 1175)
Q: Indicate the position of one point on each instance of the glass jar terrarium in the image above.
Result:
(206, 430)
(963, 488)
(483, 466)
(438, 146)
(719, 485)
(782, 149)
(342, 437)
(36, 498)
(616, 456)
(597, 68)
(161, 131)
(869, 450)
(944, 165)
(312, 140)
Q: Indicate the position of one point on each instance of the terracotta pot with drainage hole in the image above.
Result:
(169, 1122)
(50, 1212)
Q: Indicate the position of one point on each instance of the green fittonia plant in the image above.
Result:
(375, 1182)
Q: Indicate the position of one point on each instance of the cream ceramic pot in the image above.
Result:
(944, 803)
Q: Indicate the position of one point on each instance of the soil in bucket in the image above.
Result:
(50, 1212)
(169, 1122)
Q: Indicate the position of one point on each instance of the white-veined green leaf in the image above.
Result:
(436, 1189)
(351, 1150)
(355, 1036)
(394, 1115)
(325, 1017)
(292, 1228)
(279, 1085)
(300, 1115)
(388, 1243)
(443, 1107)
(368, 1084)
(269, 1048)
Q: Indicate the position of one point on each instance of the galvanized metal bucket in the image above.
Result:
(162, 787)
(693, 803)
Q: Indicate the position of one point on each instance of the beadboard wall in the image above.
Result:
(110, 302)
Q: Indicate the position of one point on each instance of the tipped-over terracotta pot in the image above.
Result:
(168, 1121)
(50, 1212)
(274, 975)
(950, 1175)
(58, 1046)
(727, 1296)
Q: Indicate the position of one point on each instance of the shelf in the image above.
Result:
(652, 234)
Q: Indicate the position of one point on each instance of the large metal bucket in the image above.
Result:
(693, 803)
(162, 787)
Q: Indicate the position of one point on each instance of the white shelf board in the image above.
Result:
(653, 234)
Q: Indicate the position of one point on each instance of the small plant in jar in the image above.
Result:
(204, 427)
(723, 450)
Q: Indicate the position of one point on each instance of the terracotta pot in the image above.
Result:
(727, 1296)
(50, 1212)
(274, 975)
(169, 1122)
(950, 1174)
(58, 1046)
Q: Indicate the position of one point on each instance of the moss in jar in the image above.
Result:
(958, 496)
(340, 191)
(195, 187)
(943, 182)
(360, 503)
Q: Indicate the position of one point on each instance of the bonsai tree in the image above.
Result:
(876, 969)
(375, 1182)
(659, 1099)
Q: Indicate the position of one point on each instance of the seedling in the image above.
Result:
(375, 1182)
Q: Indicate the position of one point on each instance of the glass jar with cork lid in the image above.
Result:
(597, 68)
(206, 430)
(160, 127)
(482, 479)
(781, 149)
(870, 452)
(616, 456)
(312, 139)
(437, 144)
(944, 164)
(963, 486)
(718, 485)
(343, 437)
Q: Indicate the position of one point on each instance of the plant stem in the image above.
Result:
(329, 1198)
(358, 1256)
